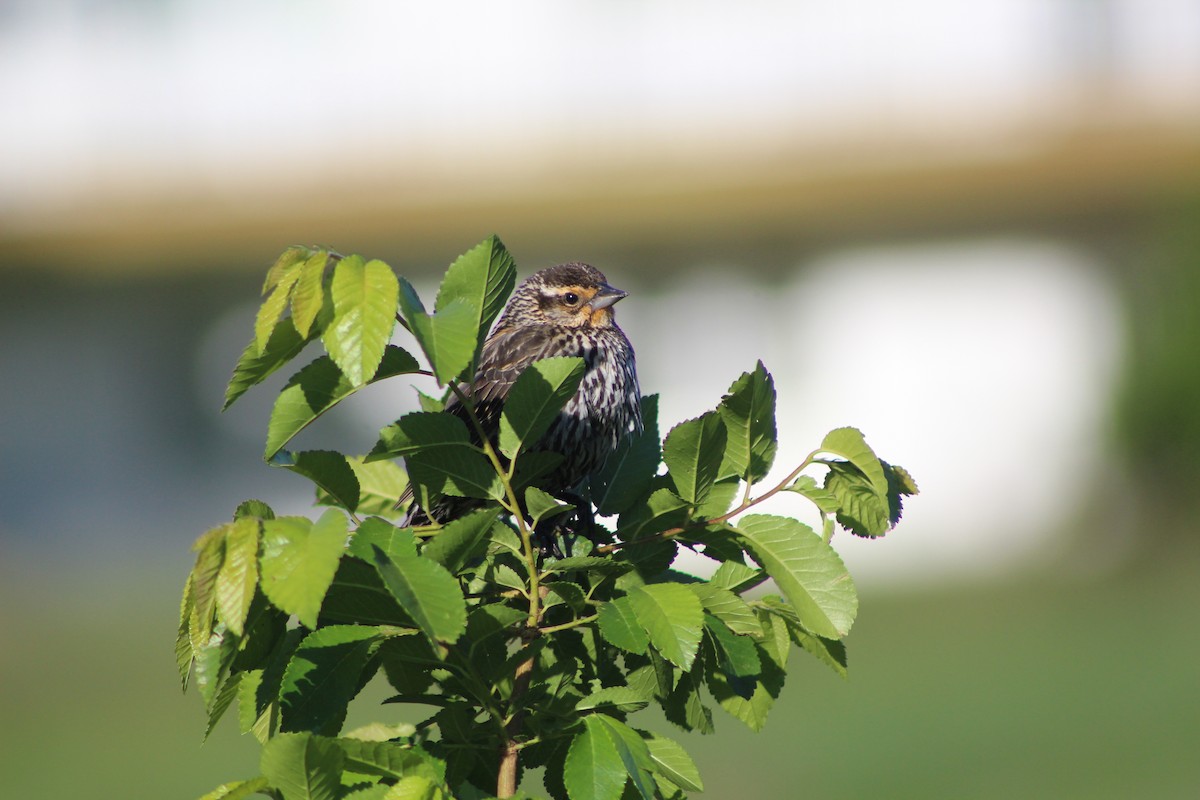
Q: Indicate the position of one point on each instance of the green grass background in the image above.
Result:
(1050, 688)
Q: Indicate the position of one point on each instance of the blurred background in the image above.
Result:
(970, 229)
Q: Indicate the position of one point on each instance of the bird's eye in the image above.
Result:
(570, 298)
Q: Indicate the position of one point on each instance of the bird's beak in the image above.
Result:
(606, 297)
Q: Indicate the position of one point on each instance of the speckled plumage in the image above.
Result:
(560, 311)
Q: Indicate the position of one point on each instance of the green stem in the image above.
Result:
(575, 623)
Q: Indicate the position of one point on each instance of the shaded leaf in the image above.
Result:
(540, 505)
(850, 445)
(593, 769)
(323, 676)
(460, 540)
(374, 531)
(748, 411)
(623, 480)
(328, 469)
(619, 698)
(727, 607)
(449, 338)
(317, 388)
(438, 451)
(619, 624)
(238, 790)
(256, 365)
(663, 509)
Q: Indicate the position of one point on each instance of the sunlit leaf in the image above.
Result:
(448, 338)
(299, 560)
(364, 308)
(748, 410)
(481, 278)
(309, 294)
(808, 571)
(535, 399)
(693, 452)
(673, 619)
(238, 576)
(427, 593)
(673, 763)
(619, 624)
(302, 766)
(593, 769)
(460, 540)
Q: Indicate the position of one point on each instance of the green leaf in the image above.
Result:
(449, 338)
(850, 445)
(210, 553)
(438, 452)
(427, 593)
(317, 388)
(238, 790)
(860, 510)
(618, 698)
(289, 260)
(603, 564)
(303, 767)
(183, 641)
(831, 652)
(309, 294)
(416, 787)
(620, 626)
(481, 278)
(623, 480)
(673, 619)
(238, 576)
(460, 540)
(737, 656)
(254, 366)
(387, 759)
(540, 505)
(253, 508)
(357, 595)
(364, 314)
(807, 570)
(749, 414)
(634, 754)
(661, 510)
(727, 607)
(737, 577)
(379, 482)
(269, 312)
(535, 399)
(824, 499)
(324, 675)
(299, 560)
(248, 699)
(750, 700)
(673, 763)
(693, 452)
(593, 769)
(376, 532)
(328, 469)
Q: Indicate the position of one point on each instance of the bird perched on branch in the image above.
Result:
(565, 310)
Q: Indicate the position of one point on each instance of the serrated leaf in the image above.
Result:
(623, 480)
(364, 314)
(603, 564)
(238, 790)
(748, 411)
(673, 763)
(309, 294)
(460, 540)
(860, 510)
(693, 452)
(226, 692)
(255, 365)
(807, 486)
(808, 571)
(619, 698)
(482, 278)
(289, 260)
(619, 624)
(438, 452)
(374, 531)
(416, 787)
(535, 400)
(317, 388)
(737, 656)
(210, 553)
(253, 508)
(850, 445)
(328, 469)
(593, 769)
(302, 766)
(299, 560)
(663, 509)
(357, 595)
(540, 505)
(448, 338)
(673, 619)
(427, 593)
(737, 577)
(323, 676)
(238, 576)
(727, 607)
(386, 759)
(565, 592)
(248, 710)
(634, 754)
(183, 639)
(269, 312)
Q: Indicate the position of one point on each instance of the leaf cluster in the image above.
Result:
(513, 660)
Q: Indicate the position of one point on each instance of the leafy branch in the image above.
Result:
(527, 660)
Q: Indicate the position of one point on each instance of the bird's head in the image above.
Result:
(571, 295)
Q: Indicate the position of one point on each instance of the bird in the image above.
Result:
(564, 310)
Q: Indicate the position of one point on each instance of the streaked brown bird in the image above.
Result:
(565, 310)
